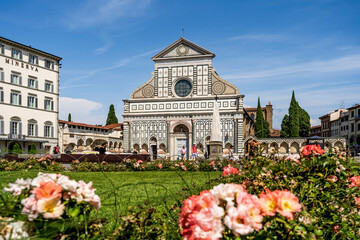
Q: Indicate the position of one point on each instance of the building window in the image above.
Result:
(32, 101)
(352, 113)
(2, 75)
(1, 95)
(48, 104)
(183, 88)
(31, 129)
(49, 87)
(2, 127)
(16, 79)
(49, 64)
(33, 59)
(15, 98)
(48, 131)
(2, 49)
(16, 53)
(352, 127)
(32, 83)
(15, 127)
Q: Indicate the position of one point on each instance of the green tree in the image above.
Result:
(294, 125)
(261, 125)
(33, 149)
(297, 122)
(285, 126)
(304, 120)
(266, 129)
(69, 117)
(111, 118)
(17, 149)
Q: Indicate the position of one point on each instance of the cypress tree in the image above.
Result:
(297, 123)
(261, 126)
(294, 125)
(69, 117)
(304, 120)
(266, 129)
(285, 126)
(111, 118)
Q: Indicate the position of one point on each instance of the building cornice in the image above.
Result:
(149, 100)
(30, 49)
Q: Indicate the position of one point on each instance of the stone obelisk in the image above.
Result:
(216, 148)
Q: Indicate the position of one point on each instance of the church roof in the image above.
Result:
(196, 51)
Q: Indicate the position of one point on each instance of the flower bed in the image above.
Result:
(46, 163)
(158, 165)
(46, 206)
(308, 196)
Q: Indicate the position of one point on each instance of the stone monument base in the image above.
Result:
(216, 150)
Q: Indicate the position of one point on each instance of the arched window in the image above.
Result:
(15, 126)
(252, 116)
(32, 127)
(48, 129)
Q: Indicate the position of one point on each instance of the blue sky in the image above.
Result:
(266, 48)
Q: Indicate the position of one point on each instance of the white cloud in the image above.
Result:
(120, 63)
(82, 110)
(107, 45)
(96, 13)
(260, 37)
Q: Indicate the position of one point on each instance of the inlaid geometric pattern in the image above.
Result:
(163, 74)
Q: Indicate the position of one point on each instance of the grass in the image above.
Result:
(120, 190)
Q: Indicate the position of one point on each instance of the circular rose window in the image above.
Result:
(183, 88)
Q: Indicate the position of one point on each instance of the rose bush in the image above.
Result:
(48, 201)
(314, 196)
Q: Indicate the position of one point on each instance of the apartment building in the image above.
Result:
(29, 97)
(354, 128)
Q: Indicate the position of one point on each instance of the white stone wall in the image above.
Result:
(72, 137)
(41, 74)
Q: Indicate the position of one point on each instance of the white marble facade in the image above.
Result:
(174, 108)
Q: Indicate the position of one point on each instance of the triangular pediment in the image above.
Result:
(182, 49)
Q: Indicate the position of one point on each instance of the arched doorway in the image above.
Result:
(207, 143)
(180, 138)
(153, 148)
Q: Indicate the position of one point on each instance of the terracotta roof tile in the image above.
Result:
(111, 126)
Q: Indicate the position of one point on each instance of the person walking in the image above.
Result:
(102, 149)
(194, 152)
(183, 153)
(231, 153)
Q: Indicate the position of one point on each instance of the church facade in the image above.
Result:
(174, 107)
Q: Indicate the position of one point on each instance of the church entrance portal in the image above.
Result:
(181, 137)
(153, 144)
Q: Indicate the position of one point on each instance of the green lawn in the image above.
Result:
(128, 188)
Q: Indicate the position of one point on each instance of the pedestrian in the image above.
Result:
(57, 149)
(183, 152)
(54, 150)
(194, 152)
(231, 153)
(102, 149)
